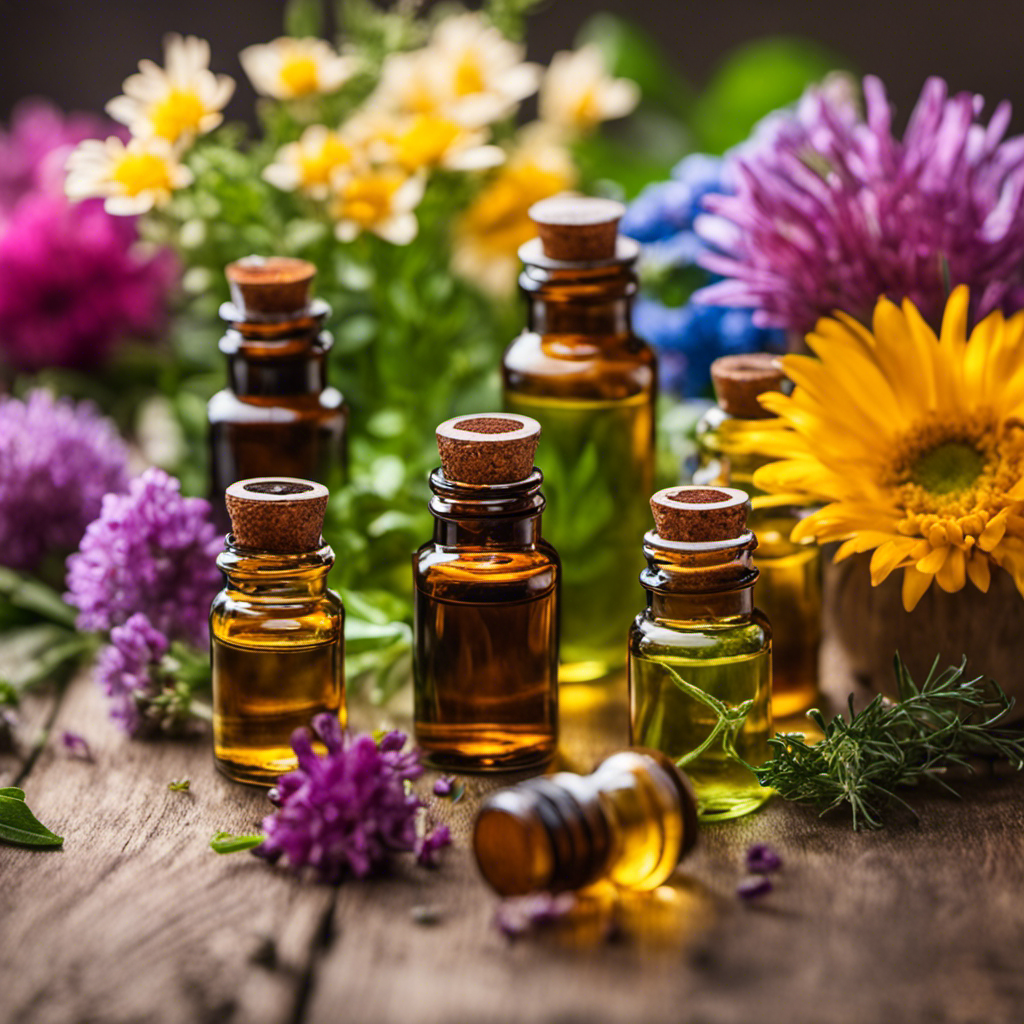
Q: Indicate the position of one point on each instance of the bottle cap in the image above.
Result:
(279, 514)
(740, 379)
(488, 447)
(697, 515)
(270, 285)
(577, 229)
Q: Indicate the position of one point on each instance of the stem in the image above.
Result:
(201, 711)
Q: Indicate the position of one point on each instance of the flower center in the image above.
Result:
(949, 468)
(426, 142)
(141, 172)
(299, 75)
(367, 200)
(178, 113)
(316, 165)
(469, 76)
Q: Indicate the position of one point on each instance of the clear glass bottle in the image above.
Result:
(700, 634)
(580, 370)
(278, 415)
(485, 660)
(631, 821)
(789, 587)
(276, 630)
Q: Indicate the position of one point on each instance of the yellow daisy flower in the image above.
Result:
(309, 164)
(489, 234)
(288, 68)
(577, 92)
(132, 179)
(915, 442)
(176, 102)
(379, 200)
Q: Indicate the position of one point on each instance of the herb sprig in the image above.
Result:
(864, 759)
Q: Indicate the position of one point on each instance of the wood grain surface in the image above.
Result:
(137, 921)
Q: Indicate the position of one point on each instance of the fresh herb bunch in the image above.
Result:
(862, 761)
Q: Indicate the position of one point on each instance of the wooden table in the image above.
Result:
(136, 920)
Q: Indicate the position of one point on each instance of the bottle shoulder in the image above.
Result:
(745, 636)
(238, 618)
(485, 574)
(228, 407)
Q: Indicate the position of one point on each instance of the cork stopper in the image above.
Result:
(279, 514)
(577, 229)
(696, 515)
(488, 448)
(740, 379)
(270, 285)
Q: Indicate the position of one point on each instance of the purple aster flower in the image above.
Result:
(754, 887)
(150, 551)
(832, 211)
(762, 859)
(518, 915)
(34, 148)
(128, 670)
(346, 812)
(74, 282)
(57, 461)
(76, 746)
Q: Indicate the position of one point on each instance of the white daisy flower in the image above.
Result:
(309, 164)
(379, 200)
(425, 141)
(176, 102)
(132, 179)
(577, 92)
(288, 68)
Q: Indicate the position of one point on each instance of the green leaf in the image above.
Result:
(179, 785)
(30, 595)
(229, 842)
(754, 80)
(18, 825)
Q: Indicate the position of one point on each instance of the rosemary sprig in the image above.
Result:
(864, 759)
(730, 720)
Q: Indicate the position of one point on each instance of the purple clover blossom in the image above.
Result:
(128, 670)
(150, 551)
(58, 460)
(832, 211)
(346, 812)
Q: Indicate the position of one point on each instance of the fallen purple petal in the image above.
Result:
(443, 786)
(518, 915)
(762, 859)
(754, 887)
(76, 745)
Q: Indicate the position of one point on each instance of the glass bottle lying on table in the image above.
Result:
(485, 660)
(789, 587)
(701, 650)
(276, 630)
(581, 372)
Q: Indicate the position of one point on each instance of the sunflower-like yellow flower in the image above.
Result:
(309, 164)
(289, 68)
(131, 178)
(176, 102)
(490, 232)
(915, 442)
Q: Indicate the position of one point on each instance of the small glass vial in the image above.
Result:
(278, 414)
(701, 632)
(580, 371)
(276, 631)
(485, 660)
(789, 587)
(631, 822)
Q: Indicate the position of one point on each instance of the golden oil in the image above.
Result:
(701, 646)
(276, 630)
(631, 821)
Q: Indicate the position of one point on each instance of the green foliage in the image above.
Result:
(228, 842)
(864, 759)
(19, 826)
(304, 18)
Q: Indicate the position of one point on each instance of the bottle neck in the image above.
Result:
(487, 515)
(262, 575)
(588, 300)
(702, 582)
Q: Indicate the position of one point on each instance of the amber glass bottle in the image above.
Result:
(789, 587)
(486, 603)
(701, 642)
(631, 821)
(580, 370)
(277, 415)
(276, 631)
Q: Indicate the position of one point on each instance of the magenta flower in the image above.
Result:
(347, 812)
(832, 211)
(150, 551)
(128, 670)
(57, 461)
(74, 282)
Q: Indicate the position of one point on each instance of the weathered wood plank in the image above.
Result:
(136, 919)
